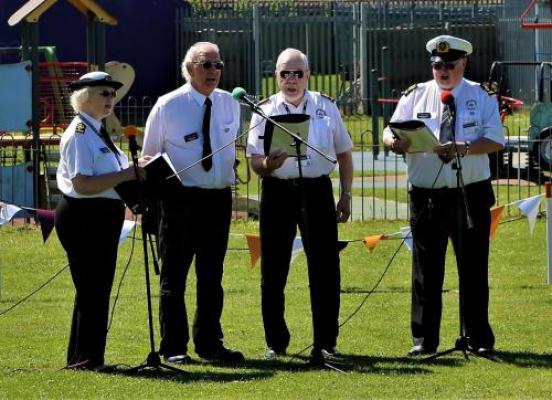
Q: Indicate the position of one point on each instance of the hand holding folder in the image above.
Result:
(155, 185)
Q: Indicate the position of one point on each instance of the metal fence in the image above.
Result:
(364, 54)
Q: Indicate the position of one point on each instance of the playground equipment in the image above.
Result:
(28, 15)
(538, 142)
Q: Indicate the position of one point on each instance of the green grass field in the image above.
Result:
(34, 335)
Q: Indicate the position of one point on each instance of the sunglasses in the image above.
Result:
(108, 93)
(209, 64)
(288, 74)
(439, 65)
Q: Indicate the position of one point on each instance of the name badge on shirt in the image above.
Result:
(104, 150)
(423, 115)
(190, 137)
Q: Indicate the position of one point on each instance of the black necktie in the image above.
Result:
(446, 133)
(207, 162)
(107, 139)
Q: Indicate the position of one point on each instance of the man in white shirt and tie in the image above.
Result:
(188, 124)
(437, 209)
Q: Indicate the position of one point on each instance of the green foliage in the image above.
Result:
(34, 335)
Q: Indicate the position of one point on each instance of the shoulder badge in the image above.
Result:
(80, 128)
(327, 97)
(490, 87)
(409, 90)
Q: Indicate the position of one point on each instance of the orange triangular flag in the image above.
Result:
(496, 213)
(371, 241)
(254, 244)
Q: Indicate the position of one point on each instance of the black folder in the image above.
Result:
(276, 139)
(156, 185)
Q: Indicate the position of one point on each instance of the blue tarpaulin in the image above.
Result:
(15, 97)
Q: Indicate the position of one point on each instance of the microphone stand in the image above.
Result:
(153, 360)
(461, 343)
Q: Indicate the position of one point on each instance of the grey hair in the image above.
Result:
(192, 52)
(79, 98)
(284, 53)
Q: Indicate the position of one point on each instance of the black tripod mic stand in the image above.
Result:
(461, 343)
(153, 360)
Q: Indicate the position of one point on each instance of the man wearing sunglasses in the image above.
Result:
(282, 201)
(437, 210)
(189, 124)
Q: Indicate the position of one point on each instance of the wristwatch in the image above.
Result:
(346, 193)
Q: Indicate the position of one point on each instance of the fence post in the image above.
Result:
(386, 92)
(375, 111)
(364, 75)
(548, 187)
(257, 50)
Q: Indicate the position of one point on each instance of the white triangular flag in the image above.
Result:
(7, 211)
(405, 233)
(530, 208)
(127, 227)
(297, 248)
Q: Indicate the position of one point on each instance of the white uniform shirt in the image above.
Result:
(476, 117)
(174, 126)
(87, 154)
(326, 132)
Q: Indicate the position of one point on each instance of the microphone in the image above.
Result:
(131, 132)
(240, 94)
(447, 98)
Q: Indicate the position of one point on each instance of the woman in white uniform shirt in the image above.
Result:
(90, 215)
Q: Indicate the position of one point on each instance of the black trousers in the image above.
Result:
(280, 214)
(194, 222)
(436, 216)
(89, 231)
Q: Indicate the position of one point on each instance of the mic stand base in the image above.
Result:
(153, 363)
(461, 344)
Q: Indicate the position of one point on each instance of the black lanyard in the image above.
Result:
(105, 138)
(304, 107)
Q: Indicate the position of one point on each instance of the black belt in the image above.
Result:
(293, 181)
(446, 191)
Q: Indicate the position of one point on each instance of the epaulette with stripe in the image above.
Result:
(327, 97)
(409, 90)
(80, 127)
(490, 87)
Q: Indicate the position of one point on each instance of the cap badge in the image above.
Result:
(443, 47)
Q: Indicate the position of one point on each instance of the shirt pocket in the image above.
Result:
(470, 127)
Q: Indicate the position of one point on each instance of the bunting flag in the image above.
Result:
(530, 208)
(407, 237)
(128, 226)
(7, 211)
(371, 241)
(254, 244)
(496, 213)
(46, 220)
(341, 244)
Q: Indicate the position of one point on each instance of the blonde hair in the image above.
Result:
(79, 98)
(192, 52)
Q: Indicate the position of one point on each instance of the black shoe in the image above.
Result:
(420, 350)
(320, 357)
(223, 354)
(178, 359)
